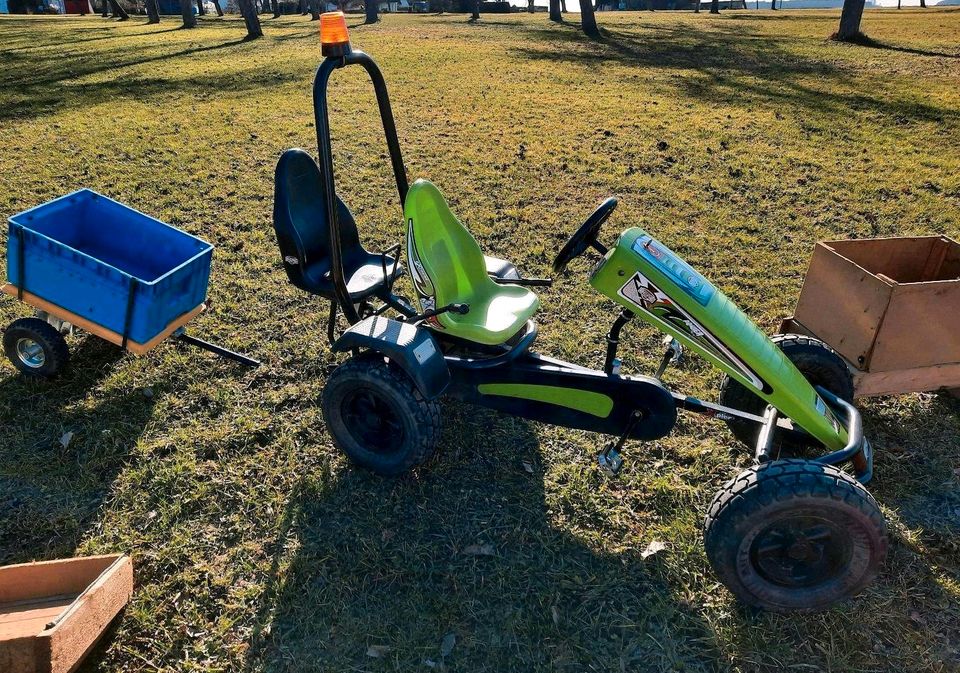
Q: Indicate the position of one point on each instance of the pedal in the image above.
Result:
(610, 461)
(675, 348)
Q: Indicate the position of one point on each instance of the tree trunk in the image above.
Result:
(275, 6)
(371, 6)
(714, 6)
(773, 4)
(563, 6)
(153, 11)
(530, 6)
(119, 11)
(588, 20)
(696, 6)
(200, 9)
(250, 18)
(216, 6)
(312, 7)
(187, 14)
(850, 17)
(475, 14)
(923, 3)
(555, 11)
(898, 4)
(186, 11)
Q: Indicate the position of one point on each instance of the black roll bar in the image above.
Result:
(325, 152)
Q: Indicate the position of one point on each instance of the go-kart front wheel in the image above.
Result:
(377, 416)
(794, 535)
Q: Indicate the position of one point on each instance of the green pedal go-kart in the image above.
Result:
(786, 534)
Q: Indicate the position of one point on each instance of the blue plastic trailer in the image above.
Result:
(86, 261)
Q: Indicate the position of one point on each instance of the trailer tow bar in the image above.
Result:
(181, 335)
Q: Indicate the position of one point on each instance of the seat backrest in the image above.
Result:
(446, 263)
(300, 216)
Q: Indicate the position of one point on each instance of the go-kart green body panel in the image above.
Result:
(646, 277)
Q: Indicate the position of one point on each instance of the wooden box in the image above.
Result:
(53, 612)
(890, 306)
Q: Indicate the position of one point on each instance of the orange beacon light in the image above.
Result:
(334, 38)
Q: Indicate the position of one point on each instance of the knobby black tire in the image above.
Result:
(420, 418)
(818, 363)
(757, 498)
(55, 350)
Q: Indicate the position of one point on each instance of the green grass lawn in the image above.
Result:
(739, 140)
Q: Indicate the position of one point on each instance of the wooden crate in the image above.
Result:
(871, 384)
(52, 613)
(890, 306)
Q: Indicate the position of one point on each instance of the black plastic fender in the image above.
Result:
(412, 348)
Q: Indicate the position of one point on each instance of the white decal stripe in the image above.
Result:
(640, 285)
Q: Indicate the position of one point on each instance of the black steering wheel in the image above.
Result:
(585, 237)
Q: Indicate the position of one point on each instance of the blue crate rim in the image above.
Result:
(86, 190)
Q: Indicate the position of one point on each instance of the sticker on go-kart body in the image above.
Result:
(670, 265)
(646, 296)
(825, 411)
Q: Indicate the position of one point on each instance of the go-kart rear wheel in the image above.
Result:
(818, 363)
(35, 347)
(377, 416)
(794, 535)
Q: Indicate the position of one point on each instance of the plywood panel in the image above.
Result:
(870, 384)
(921, 327)
(32, 581)
(843, 304)
(29, 618)
(923, 379)
(69, 604)
(934, 265)
(950, 268)
(88, 617)
(18, 655)
(902, 259)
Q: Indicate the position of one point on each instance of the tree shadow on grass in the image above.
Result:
(918, 478)
(866, 41)
(377, 574)
(723, 65)
(50, 493)
(373, 574)
(55, 68)
(113, 35)
(44, 100)
(786, 17)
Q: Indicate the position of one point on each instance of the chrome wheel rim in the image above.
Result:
(30, 353)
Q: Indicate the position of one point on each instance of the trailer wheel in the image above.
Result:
(794, 535)
(818, 363)
(35, 347)
(378, 417)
